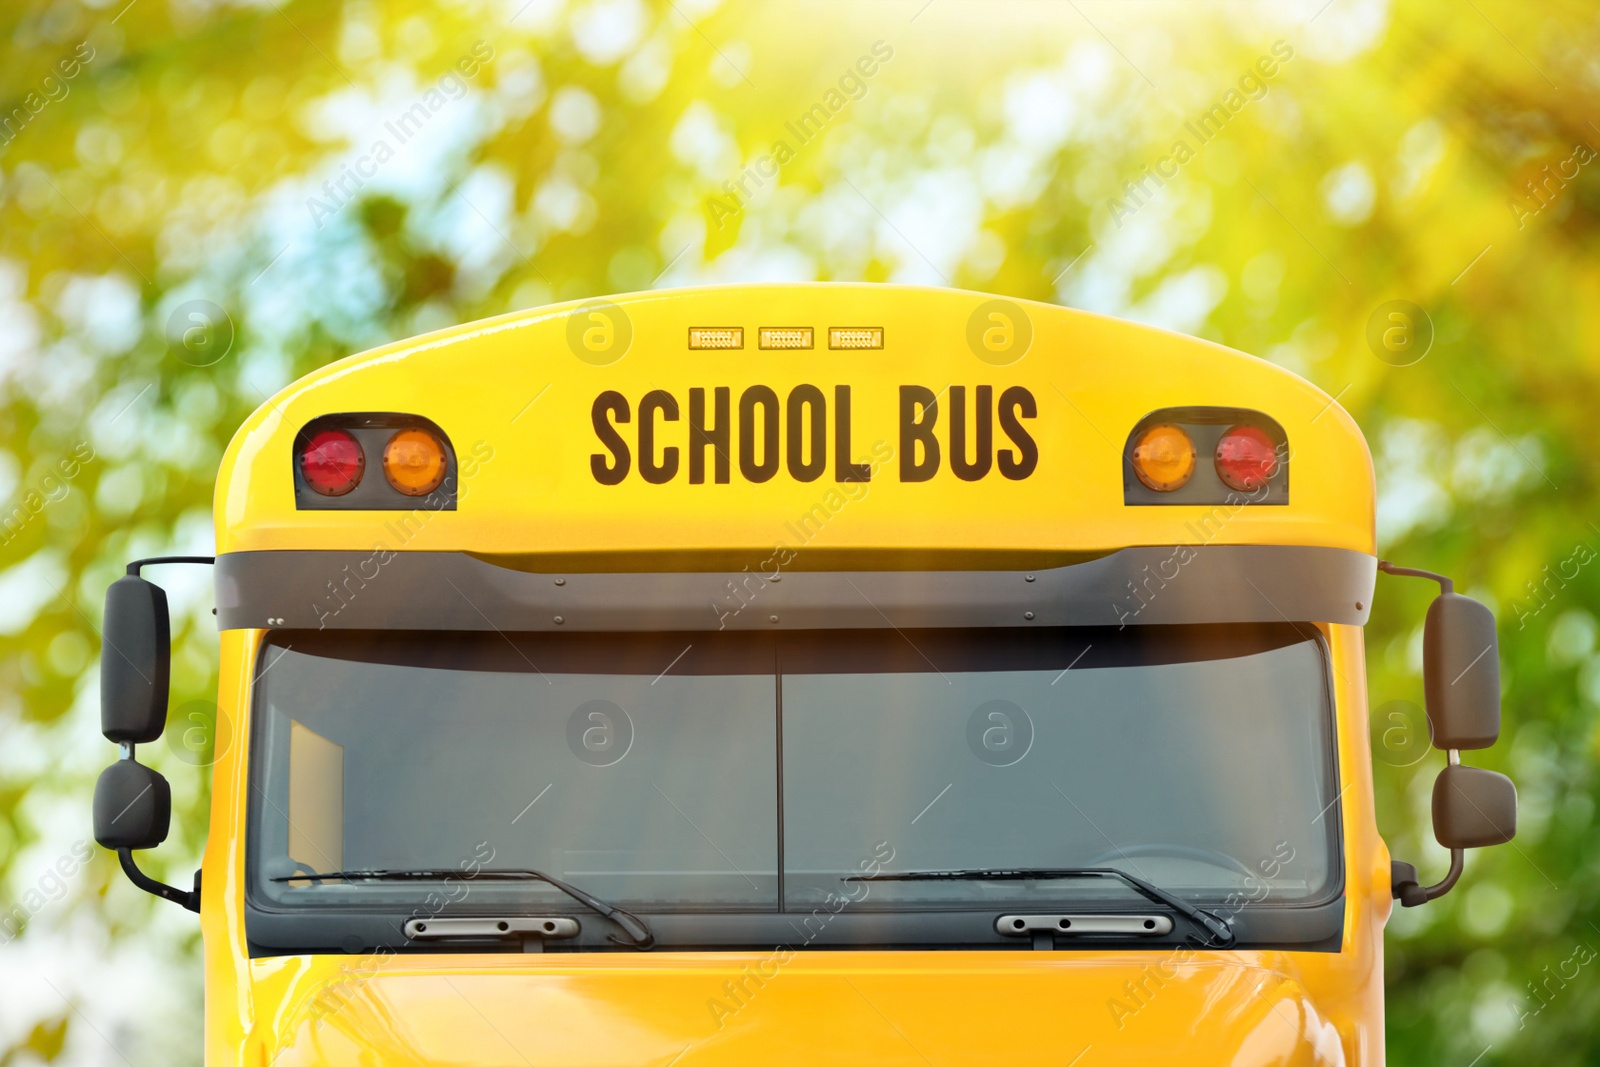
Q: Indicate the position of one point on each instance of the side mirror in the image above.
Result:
(132, 806)
(1461, 673)
(1473, 808)
(135, 662)
(132, 803)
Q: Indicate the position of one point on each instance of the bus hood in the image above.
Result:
(805, 1011)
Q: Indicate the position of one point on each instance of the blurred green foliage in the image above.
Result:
(165, 152)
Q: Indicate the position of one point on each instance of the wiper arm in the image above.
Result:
(637, 929)
(1215, 925)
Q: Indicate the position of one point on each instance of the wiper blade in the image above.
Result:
(1215, 925)
(637, 929)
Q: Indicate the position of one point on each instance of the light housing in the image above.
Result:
(1249, 451)
(330, 457)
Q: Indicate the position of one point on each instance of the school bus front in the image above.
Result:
(796, 674)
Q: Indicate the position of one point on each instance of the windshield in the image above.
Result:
(758, 773)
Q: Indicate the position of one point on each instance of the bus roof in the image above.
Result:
(571, 432)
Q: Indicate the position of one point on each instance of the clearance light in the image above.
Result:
(1164, 457)
(1246, 458)
(716, 337)
(414, 462)
(855, 337)
(332, 462)
(786, 337)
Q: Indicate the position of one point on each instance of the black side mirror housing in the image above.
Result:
(132, 806)
(1461, 673)
(135, 662)
(1473, 808)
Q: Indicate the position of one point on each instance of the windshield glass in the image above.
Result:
(720, 772)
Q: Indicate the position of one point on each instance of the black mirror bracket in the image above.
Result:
(190, 899)
(1404, 887)
(1445, 584)
(1403, 879)
(133, 568)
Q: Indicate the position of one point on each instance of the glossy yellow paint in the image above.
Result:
(514, 383)
(515, 389)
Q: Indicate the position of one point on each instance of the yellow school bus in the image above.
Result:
(796, 674)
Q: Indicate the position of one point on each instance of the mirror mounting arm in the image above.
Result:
(190, 900)
(1403, 878)
(133, 568)
(1445, 584)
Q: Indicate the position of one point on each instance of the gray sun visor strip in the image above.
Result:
(350, 590)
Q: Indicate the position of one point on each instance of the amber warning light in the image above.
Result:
(1164, 458)
(414, 462)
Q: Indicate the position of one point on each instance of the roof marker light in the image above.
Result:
(786, 336)
(855, 337)
(716, 337)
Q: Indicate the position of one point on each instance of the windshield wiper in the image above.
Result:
(1215, 925)
(637, 929)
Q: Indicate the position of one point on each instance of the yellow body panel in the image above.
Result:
(1094, 379)
(515, 387)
